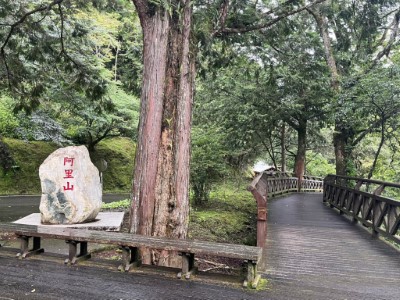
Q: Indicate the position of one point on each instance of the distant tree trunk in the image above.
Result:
(339, 136)
(300, 160)
(378, 151)
(160, 189)
(283, 150)
(341, 155)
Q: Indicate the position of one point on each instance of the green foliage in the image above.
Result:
(119, 154)
(207, 161)
(42, 48)
(28, 156)
(60, 66)
(122, 204)
(8, 121)
(89, 123)
(40, 126)
(318, 165)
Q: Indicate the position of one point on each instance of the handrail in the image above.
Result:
(351, 196)
(270, 184)
(373, 181)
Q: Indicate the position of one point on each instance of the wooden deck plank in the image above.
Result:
(134, 240)
(314, 249)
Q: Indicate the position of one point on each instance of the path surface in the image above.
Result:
(13, 208)
(38, 280)
(314, 253)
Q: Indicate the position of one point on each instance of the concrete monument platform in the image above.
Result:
(109, 221)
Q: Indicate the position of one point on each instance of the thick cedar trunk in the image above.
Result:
(300, 160)
(160, 192)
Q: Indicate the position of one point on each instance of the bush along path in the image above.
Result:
(23, 178)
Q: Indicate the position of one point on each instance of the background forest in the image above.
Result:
(316, 93)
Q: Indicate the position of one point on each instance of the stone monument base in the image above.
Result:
(108, 221)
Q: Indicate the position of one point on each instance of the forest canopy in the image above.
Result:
(297, 84)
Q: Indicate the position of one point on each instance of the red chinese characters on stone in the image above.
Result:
(69, 187)
(69, 160)
(68, 173)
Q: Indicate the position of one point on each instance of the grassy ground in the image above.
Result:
(119, 154)
(28, 156)
(229, 216)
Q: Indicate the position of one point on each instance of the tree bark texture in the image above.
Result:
(160, 189)
(340, 145)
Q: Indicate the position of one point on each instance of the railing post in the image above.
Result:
(261, 210)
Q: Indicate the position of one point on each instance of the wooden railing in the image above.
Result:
(366, 201)
(312, 184)
(270, 184)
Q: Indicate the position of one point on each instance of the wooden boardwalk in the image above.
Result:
(314, 253)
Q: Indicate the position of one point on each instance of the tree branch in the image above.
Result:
(330, 59)
(223, 14)
(392, 39)
(269, 23)
(15, 25)
(63, 51)
(23, 18)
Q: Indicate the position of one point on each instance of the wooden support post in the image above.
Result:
(261, 226)
(187, 265)
(24, 242)
(261, 215)
(73, 257)
(130, 258)
(25, 251)
(250, 274)
(375, 233)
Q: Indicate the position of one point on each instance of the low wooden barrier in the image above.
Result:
(365, 201)
(312, 184)
(271, 184)
(129, 244)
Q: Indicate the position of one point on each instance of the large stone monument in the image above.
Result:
(71, 187)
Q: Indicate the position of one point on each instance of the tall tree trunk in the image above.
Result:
(283, 150)
(300, 160)
(160, 191)
(339, 136)
(341, 154)
(378, 151)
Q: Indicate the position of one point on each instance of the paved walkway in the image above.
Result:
(314, 253)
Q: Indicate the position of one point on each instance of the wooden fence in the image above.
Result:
(366, 201)
(270, 184)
